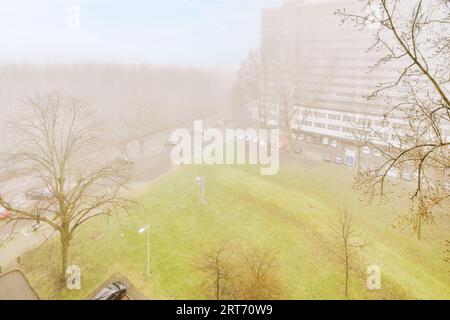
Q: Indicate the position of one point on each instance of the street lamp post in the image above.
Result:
(201, 186)
(142, 230)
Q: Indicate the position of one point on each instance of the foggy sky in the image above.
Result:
(198, 33)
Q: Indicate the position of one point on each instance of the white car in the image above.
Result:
(392, 173)
(407, 176)
(124, 160)
(446, 185)
(171, 143)
(334, 144)
(325, 141)
(43, 194)
(366, 150)
(377, 153)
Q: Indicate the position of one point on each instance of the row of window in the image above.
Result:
(323, 115)
(350, 119)
(352, 131)
(323, 126)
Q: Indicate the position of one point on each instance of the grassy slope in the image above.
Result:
(291, 213)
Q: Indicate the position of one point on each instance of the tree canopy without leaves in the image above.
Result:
(274, 87)
(349, 242)
(230, 272)
(57, 153)
(412, 38)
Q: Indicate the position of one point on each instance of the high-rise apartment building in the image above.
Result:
(333, 62)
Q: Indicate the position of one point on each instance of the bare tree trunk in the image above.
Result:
(419, 227)
(65, 243)
(346, 277)
(420, 211)
(358, 161)
(288, 133)
(217, 285)
(141, 150)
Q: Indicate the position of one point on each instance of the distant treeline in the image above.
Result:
(172, 94)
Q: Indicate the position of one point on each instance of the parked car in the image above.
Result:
(338, 160)
(334, 144)
(124, 161)
(392, 173)
(43, 194)
(4, 214)
(325, 141)
(326, 158)
(171, 143)
(113, 291)
(308, 139)
(317, 140)
(219, 124)
(407, 176)
(283, 143)
(366, 150)
(446, 185)
(377, 153)
(298, 149)
(27, 231)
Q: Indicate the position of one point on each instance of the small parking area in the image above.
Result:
(339, 152)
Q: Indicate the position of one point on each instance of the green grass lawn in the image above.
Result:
(291, 213)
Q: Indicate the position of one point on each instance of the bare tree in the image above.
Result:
(413, 38)
(349, 243)
(420, 214)
(142, 121)
(447, 251)
(292, 93)
(361, 126)
(287, 80)
(253, 87)
(274, 86)
(259, 279)
(218, 270)
(56, 149)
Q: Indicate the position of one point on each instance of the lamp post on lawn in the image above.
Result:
(201, 185)
(142, 230)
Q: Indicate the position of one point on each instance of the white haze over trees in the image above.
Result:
(171, 95)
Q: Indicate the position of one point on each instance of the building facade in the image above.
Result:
(334, 63)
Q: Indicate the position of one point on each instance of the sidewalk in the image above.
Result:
(22, 244)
